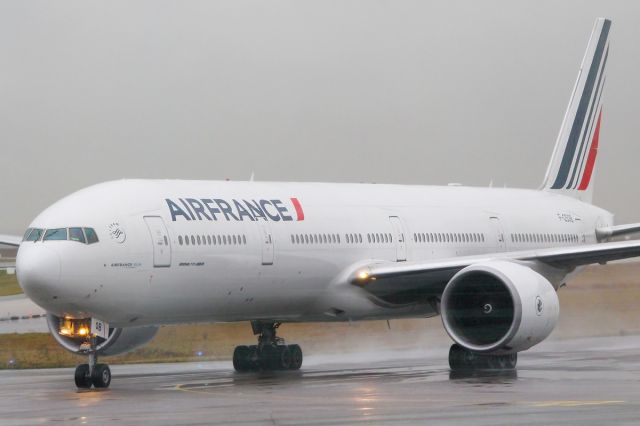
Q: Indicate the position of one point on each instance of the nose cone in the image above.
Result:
(38, 270)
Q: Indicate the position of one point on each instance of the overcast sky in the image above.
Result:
(413, 92)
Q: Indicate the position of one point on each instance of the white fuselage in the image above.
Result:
(288, 265)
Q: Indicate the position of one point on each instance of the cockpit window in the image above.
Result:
(92, 237)
(76, 234)
(34, 235)
(26, 234)
(55, 234)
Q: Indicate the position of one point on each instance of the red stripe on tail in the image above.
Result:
(591, 159)
(298, 207)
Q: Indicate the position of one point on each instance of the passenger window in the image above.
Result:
(198, 239)
(35, 235)
(55, 234)
(244, 239)
(193, 240)
(76, 234)
(180, 239)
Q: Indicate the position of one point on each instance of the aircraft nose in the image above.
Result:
(38, 270)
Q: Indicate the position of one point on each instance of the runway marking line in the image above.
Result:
(575, 403)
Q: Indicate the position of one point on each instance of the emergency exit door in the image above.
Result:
(160, 241)
(398, 238)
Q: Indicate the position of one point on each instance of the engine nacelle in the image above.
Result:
(120, 340)
(499, 306)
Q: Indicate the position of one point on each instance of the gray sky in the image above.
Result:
(346, 91)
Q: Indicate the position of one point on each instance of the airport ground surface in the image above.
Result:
(580, 381)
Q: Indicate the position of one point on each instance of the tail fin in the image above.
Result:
(571, 167)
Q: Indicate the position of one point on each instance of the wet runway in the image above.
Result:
(588, 381)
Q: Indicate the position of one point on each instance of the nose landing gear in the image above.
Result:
(98, 375)
(271, 352)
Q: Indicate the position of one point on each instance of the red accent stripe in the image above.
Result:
(298, 207)
(591, 159)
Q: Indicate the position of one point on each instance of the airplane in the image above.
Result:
(113, 262)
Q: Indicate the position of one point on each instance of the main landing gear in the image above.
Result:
(270, 353)
(463, 359)
(98, 375)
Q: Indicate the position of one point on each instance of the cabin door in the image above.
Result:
(160, 241)
(498, 233)
(398, 238)
(267, 243)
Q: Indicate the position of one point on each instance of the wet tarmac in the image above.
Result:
(588, 381)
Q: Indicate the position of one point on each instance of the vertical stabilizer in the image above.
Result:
(570, 171)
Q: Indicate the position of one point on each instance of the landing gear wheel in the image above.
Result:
(296, 357)
(284, 358)
(268, 358)
(270, 353)
(101, 376)
(82, 377)
(463, 359)
(241, 360)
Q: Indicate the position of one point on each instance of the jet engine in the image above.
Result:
(73, 336)
(499, 307)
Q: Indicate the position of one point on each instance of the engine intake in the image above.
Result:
(120, 340)
(499, 306)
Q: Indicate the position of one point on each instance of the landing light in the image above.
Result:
(83, 331)
(363, 275)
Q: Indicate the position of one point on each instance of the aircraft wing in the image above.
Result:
(618, 230)
(429, 278)
(10, 240)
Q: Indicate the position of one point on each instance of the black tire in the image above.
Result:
(457, 357)
(512, 361)
(268, 357)
(296, 357)
(253, 362)
(241, 358)
(284, 358)
(101, 376)
(82, 377)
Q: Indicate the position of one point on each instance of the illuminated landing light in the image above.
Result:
(363, 277)
(83, 331)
